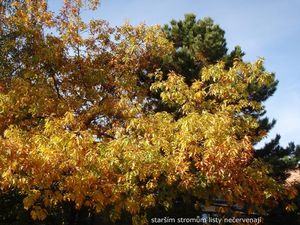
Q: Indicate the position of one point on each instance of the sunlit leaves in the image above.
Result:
(75, 126)
(30, 13)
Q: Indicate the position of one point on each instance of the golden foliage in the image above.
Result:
(74, 125)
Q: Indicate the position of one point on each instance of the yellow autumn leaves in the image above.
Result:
(79, 120)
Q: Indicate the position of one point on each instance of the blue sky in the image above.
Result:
(268, 28)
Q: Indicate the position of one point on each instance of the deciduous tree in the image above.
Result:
(79, 124)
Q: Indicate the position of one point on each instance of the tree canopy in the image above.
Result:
(125, 119)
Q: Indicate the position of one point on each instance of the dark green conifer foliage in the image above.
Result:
(197, 42)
